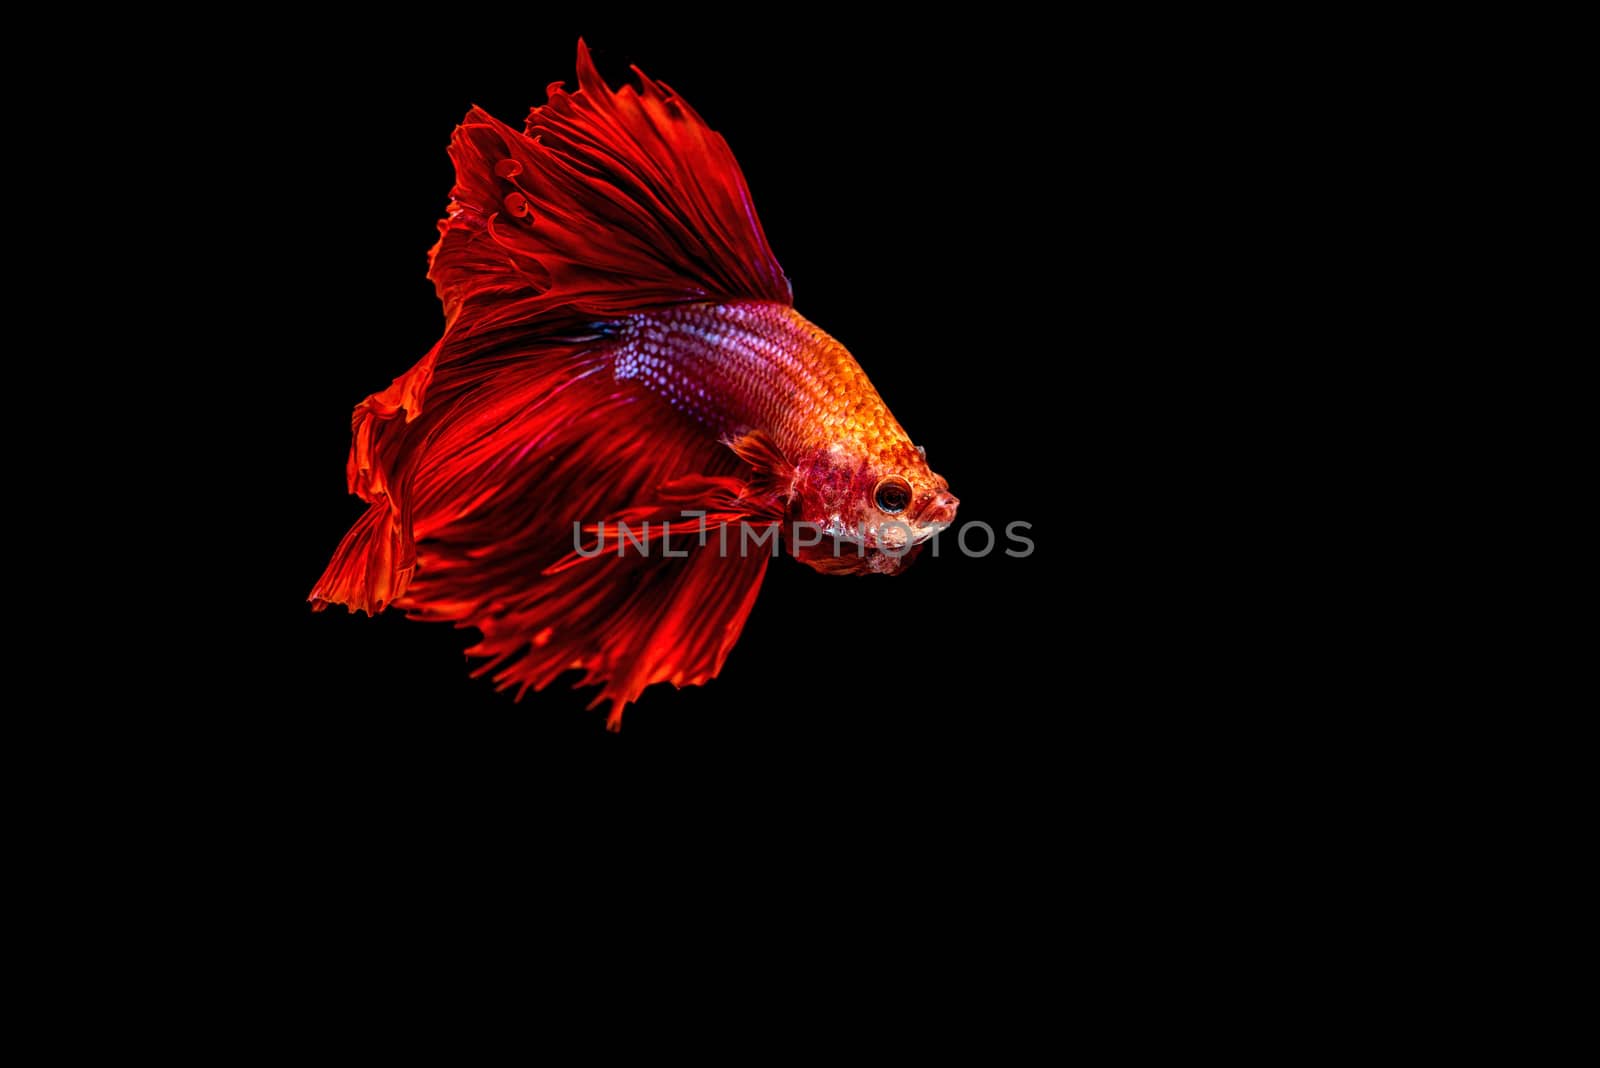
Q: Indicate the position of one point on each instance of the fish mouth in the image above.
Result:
(885, 547)
(936, 512)
(896, 536)
(850, 554)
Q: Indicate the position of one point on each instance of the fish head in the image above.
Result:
(856, 510)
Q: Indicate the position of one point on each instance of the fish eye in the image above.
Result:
(893, 494)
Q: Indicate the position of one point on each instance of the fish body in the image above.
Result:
(761, 367)
(622, 362)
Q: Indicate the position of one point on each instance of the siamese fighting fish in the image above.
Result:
(625, 413)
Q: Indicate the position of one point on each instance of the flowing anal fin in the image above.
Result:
(675, 577)
(660, 593)
(677, 626)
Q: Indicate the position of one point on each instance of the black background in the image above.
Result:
(955, 205)
(1030, 238)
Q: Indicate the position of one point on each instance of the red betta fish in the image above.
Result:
(619, 348)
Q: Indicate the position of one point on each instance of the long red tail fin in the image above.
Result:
(479, 460)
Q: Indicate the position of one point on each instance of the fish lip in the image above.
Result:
(920, 534)
(938, 511)
(923, 532)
